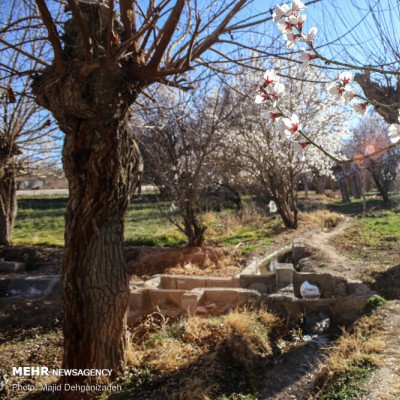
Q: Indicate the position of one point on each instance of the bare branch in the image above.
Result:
(59, 56)
(26, 54)
(165, 35)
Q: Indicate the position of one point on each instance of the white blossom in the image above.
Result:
(285, 26)
(309, 37)
(260, 98)
(297, 20)
(280, 12)
(348, 94)
(290, 39)
(335, 91)
(288, 126)
(306, 57)
(298, 5)
(346, 77)
(394, 132)
(270, 77)
(360, 108)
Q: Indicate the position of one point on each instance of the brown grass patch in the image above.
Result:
(322, 218)
(147, 261)
(361, 346)
(207, 355)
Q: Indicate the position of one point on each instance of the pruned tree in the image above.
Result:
(107, 54)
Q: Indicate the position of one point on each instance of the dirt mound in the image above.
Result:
(147, 261)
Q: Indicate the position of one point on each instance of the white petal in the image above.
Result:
(259, 99)
(298, 5)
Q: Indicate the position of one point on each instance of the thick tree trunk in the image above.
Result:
(103, 165)
(8, 205)
(384, 94)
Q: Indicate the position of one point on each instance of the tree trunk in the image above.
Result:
(305, 182)
(287, 209)
(344, 190)
(102, 163)
(194, 230)
(357, 192)
(319, 184)
(8, 204)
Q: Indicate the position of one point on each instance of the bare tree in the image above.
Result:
(181, 139)
(101, 62)
(27, 133)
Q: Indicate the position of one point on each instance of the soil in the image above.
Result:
(385, 384)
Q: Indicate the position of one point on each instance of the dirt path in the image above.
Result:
(292, 377)
(385, 384)
(334, 261)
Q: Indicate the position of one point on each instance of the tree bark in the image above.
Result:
(8, 204)
(356, 184)
(384, 94)
(102, 175)
(193, 229)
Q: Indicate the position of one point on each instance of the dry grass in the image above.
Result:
(356, 350)
(322, 218)
(208, 356)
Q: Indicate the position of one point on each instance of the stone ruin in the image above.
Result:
(276, 283)
(272, 279)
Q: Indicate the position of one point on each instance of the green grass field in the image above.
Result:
(40, 221)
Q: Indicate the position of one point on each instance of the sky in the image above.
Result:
(361, 32)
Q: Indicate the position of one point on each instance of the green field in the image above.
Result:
(40, 221)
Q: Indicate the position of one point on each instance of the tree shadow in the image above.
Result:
(230, 370)
(387, 283)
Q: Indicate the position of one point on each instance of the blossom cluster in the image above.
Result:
(270, 92)
(290, 22)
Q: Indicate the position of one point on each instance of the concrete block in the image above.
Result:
(11, 266)
(190, 300)
(284, 274)
(261, 283)
(190, 282)
(158, 297)
(221, 282)
(137, 299)
(298, 251)
(168, 282)
(228, 296)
